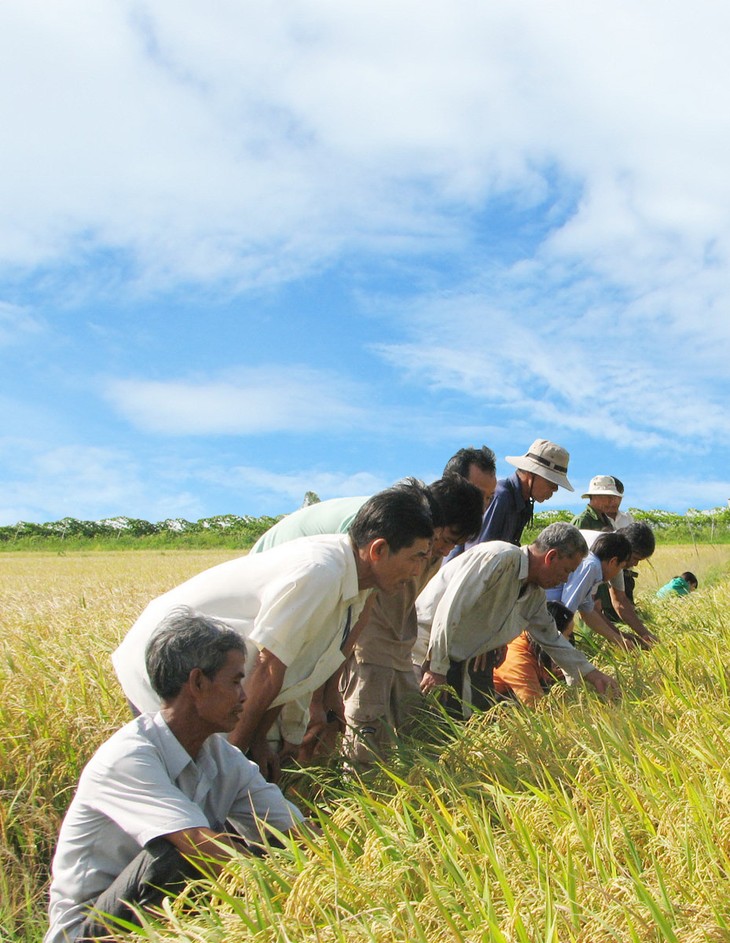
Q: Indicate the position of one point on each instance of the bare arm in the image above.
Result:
(628, 614)
(600, 624)
(262, 687)
(209, 848)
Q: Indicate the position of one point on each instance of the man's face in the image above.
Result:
(611, 568)
(444, 541)
(222, 696)
(607, 504)
(392, 570)
(542, 489)
(633, 560)
(557, 569)
(486, 482)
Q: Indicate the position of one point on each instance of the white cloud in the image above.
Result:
(42, 483)
(264, 400)
(602, 370)
(254, 142)
(17, 324)
(90, 482)
(292, 486)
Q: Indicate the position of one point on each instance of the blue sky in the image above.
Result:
(250, 249)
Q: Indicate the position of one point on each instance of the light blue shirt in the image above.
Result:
(576, 593)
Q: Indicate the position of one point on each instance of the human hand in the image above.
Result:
(266, 760)
(431, 680)
(604, 684)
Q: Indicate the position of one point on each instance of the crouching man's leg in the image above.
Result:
(159, 869)
(368, 727)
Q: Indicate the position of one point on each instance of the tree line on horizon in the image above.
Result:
(244, 530)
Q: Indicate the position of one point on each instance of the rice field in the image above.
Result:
(579, 821)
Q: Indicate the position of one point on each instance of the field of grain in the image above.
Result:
(580, 821)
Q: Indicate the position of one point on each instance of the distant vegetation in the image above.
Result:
(695, 526)
(120, 533)
(228, 531)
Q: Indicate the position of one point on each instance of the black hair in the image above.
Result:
(690, 578)
(610, 545)
(484, 458)
(186, 639)
(641, 537)
(456, 503)
(399, 515)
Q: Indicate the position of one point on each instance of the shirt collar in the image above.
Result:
(175, 755)
(350, 586)
(524, 564)
(519, 500)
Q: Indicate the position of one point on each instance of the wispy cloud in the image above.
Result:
(17, 324)
(264, 400)
(250, 146)
(292, 486)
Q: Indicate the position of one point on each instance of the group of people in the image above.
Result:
(349, 614)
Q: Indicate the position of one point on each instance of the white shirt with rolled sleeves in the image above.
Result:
(294, 600)
(142, 784)
(480, 601)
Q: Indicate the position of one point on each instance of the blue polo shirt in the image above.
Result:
(506, 517)
(508, 513)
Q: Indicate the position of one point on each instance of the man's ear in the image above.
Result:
(551, 554)
(195, 680)
(378, 549)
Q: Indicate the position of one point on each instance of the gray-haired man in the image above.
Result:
(484, 598)
(163, 789)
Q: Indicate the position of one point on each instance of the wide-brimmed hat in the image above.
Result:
(603, 484)
(545, 459)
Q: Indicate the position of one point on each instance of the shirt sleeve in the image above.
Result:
(578, 588)
(543, 629)
(618, 582)
(470, 578)
(288, 607)
(137, 794)
(260, 802)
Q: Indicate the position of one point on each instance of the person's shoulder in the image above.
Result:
(311, 559)
(504, 490)
(496, 555)
(136, 737)
(589, 563)
(228, 758)
(585, 518)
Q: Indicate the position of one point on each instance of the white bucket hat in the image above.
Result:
(546, 459)
(603, 484)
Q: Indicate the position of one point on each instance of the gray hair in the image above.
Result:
(564, 538)
(184, 640)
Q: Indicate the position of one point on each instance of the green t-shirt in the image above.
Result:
(325, 517)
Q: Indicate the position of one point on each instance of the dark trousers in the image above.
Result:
(158, 869)
(483, 695)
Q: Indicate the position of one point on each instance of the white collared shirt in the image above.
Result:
(142, 784)
(294, 600)
(480, 601)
